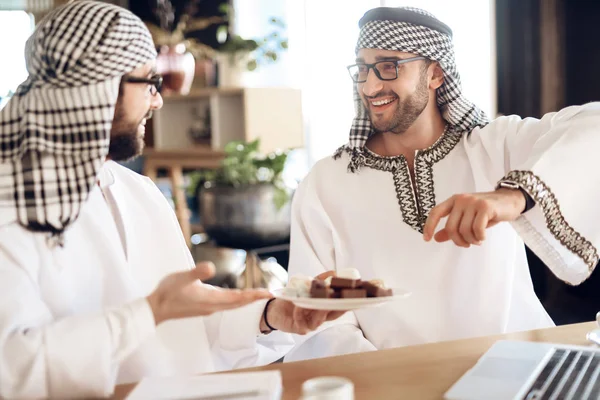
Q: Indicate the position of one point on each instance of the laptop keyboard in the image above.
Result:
(568, 375)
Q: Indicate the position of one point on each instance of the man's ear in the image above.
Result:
(437, 76)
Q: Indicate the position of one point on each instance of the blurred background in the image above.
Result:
(256, 91)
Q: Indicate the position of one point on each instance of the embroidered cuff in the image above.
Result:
(555, 221)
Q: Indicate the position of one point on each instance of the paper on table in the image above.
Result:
(265, 385)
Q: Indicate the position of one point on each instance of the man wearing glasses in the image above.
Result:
(127, 137)
(98, 286)
(430, 196)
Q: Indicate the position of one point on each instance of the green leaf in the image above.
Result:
(231, 147)
(254, 145)
(224, 8)
(250, 45)
(272, 55)
(284, 44)
(252, 64)
(244, 165)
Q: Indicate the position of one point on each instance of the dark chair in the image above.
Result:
(566, 304)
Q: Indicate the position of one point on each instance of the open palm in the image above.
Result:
(182, 294)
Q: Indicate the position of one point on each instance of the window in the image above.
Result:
(322, 36)
(15, 29)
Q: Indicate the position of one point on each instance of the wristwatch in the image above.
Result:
(529, 202)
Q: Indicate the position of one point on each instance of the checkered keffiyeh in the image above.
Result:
(55, 131)
(424, 35)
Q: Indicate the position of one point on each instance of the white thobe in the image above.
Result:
(371, 220)
(74, 320)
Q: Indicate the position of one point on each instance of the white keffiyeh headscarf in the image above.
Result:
(411, 30)
(55, 131)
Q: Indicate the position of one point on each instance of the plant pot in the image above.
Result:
(230, 264)
(205, 74)
(244, 217)
(177, 66)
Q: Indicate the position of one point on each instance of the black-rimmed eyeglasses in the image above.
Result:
(155, 82)
(384, 70)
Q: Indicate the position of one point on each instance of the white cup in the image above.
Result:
(328, 388)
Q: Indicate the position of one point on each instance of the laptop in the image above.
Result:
(528, 371)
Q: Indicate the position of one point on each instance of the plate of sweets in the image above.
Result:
(344, 291)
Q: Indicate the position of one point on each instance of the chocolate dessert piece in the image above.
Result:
(344, 283)
(353, 293)
(322, 293)
(320, 290)
(376, 290)
(347, 288)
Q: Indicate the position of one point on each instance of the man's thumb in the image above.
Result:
(204, 270)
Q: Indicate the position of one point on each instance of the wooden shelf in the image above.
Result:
(192, 157)
(197, 94)
(272, 114)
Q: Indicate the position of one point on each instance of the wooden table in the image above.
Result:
(416, 372)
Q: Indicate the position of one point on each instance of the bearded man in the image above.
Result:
(430, 196)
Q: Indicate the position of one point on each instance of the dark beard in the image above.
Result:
(125, 146)
(407, 111)
(125, 143)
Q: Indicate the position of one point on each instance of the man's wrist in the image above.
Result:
(266, 323)
(263, 326)
(154, 304)
(526, 202)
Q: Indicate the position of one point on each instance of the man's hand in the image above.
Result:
(285, 316)
(469, 215)
(182, 295)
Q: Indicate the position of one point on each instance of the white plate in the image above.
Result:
(341, 304)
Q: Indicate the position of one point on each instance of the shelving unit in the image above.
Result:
(272, 114)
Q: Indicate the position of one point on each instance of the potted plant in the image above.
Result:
(245, 203)
(185, 36)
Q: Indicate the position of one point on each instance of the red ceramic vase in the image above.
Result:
(177, 66)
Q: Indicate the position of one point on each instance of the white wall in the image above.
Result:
(15, 28)
(472, 22)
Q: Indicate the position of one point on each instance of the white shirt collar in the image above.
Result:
(106, 177)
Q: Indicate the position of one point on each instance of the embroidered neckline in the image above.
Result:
(416, 199)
